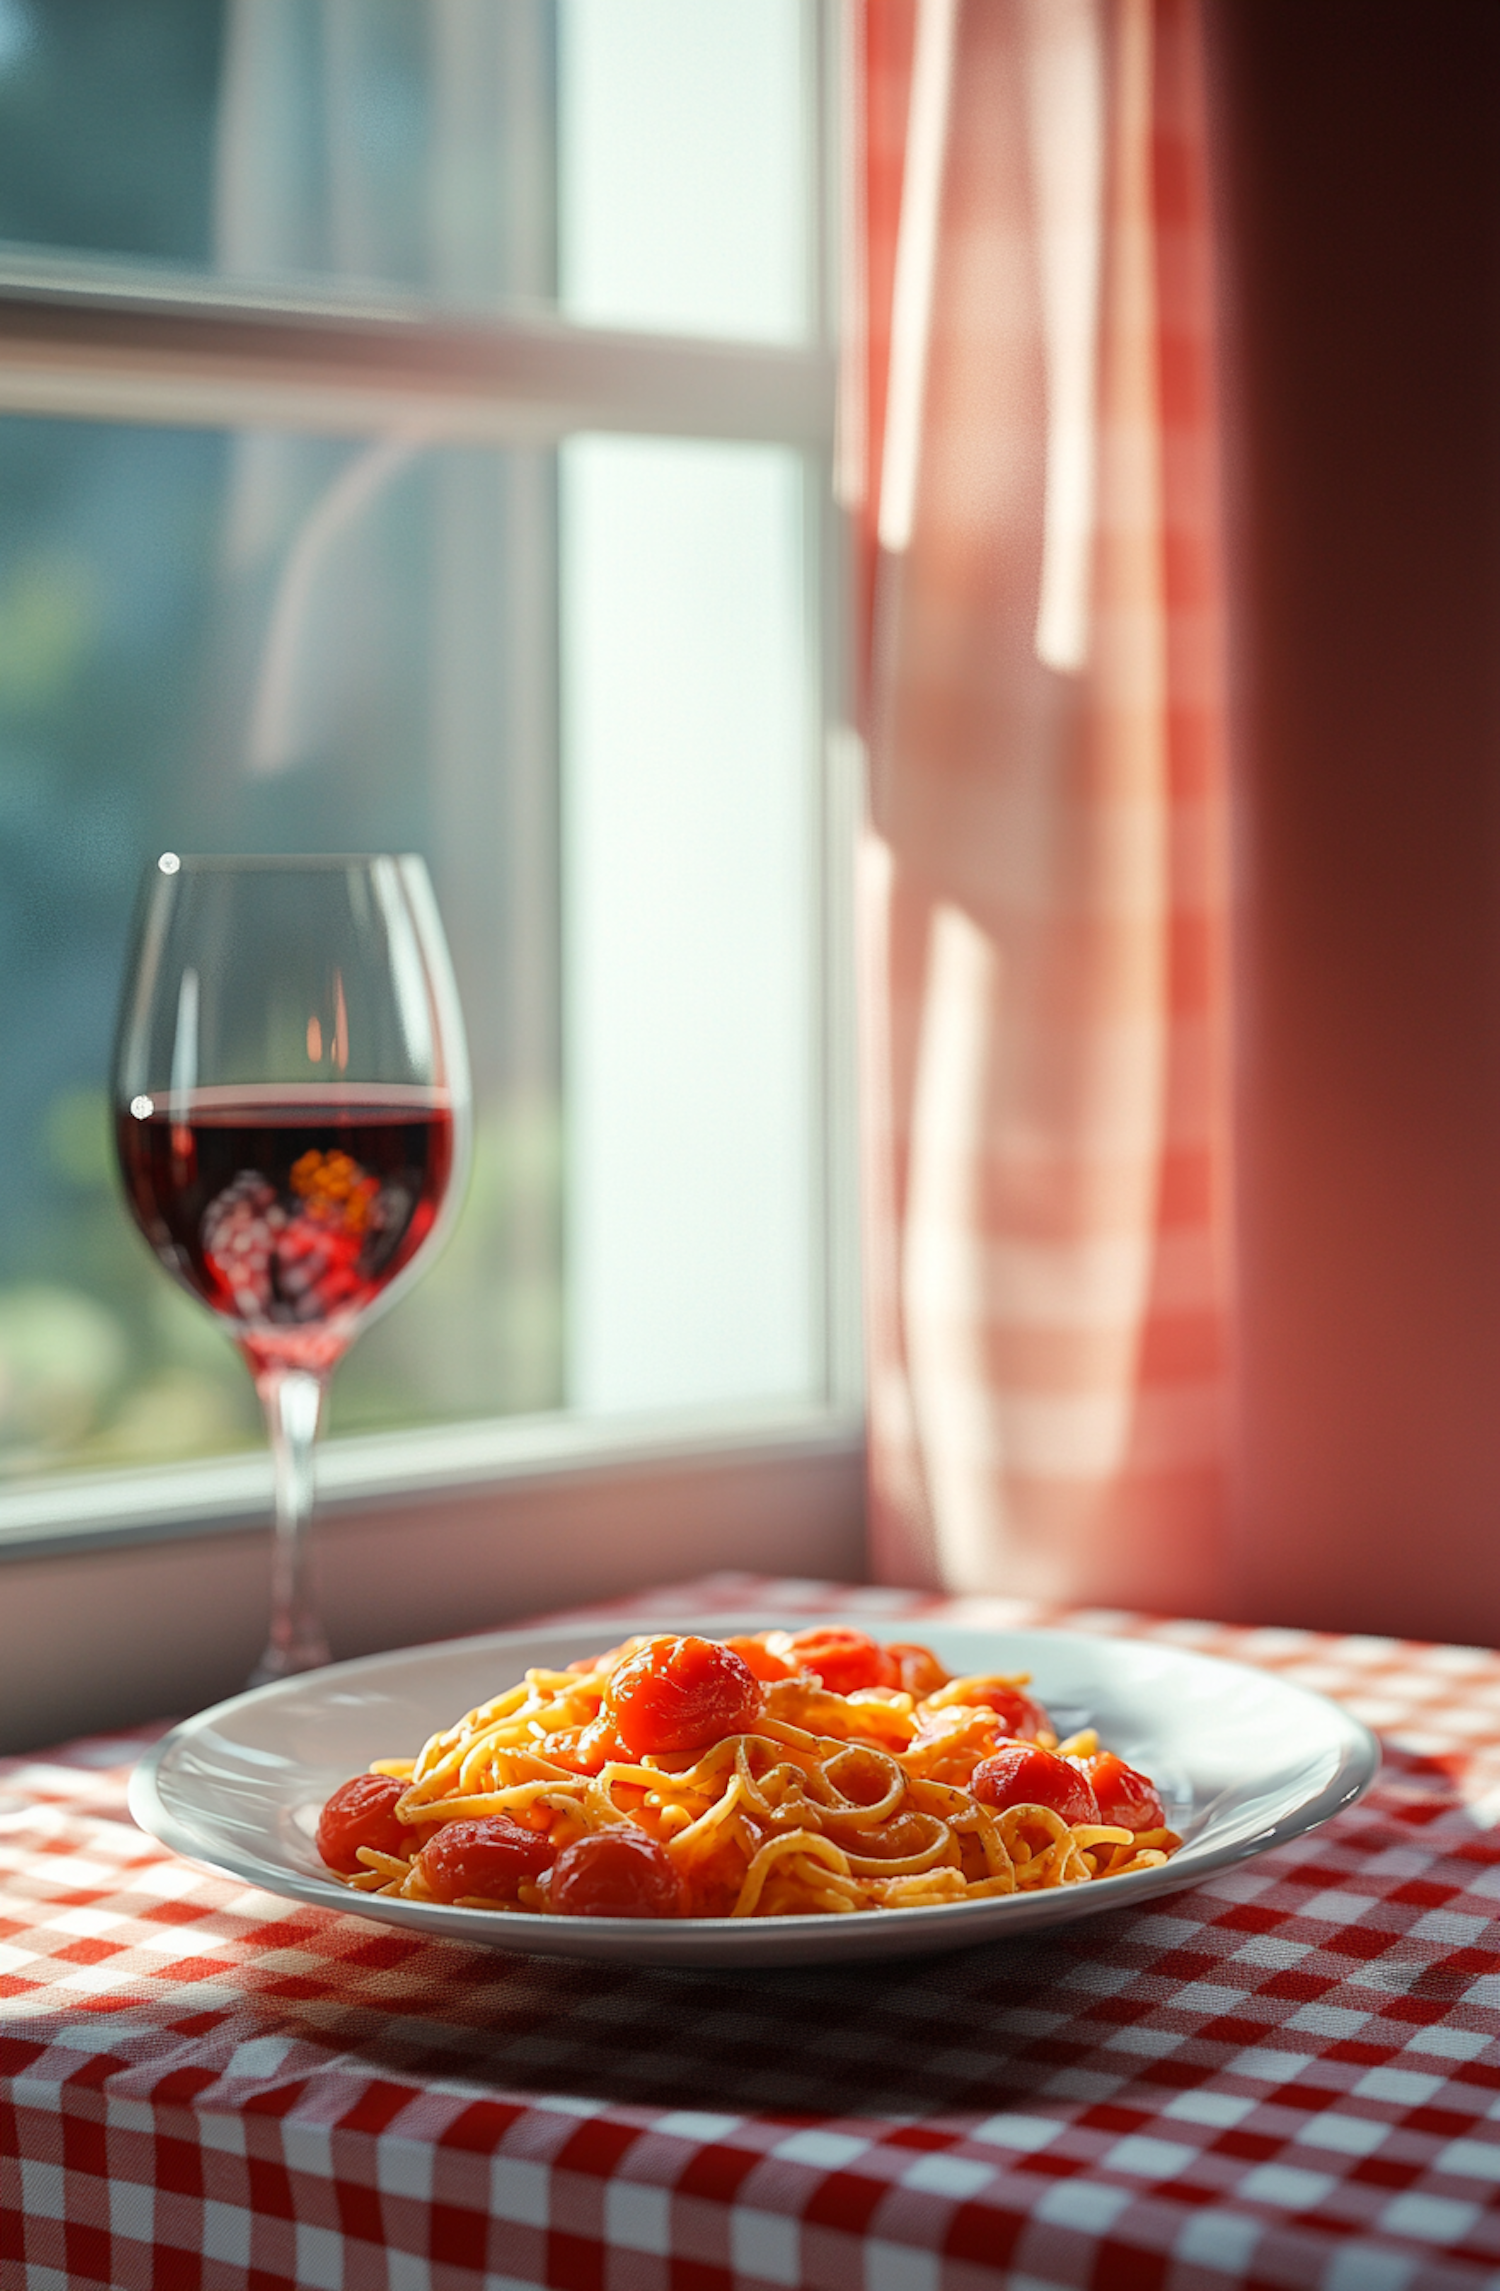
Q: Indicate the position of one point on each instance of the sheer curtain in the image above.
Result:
(1043, 882)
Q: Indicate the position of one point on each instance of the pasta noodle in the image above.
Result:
(770, 1776)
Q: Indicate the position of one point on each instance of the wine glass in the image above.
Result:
(291, 1102)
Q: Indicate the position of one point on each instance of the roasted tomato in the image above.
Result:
(488, 1857)
(362, 1813)
(920, 1671)
(584, 1749)
(681, 1694)
(1128, 1799)
(615, 1873)
(843, 1660)
(1021, 1774)
(766, 1666)
(1020, 1719)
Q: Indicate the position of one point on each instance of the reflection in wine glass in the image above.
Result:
(292, 1123)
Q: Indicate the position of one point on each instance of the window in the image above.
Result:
(414, 429)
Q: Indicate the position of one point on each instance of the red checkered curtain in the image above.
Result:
(1043, 895)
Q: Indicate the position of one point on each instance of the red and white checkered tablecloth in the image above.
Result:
(1287, 2076)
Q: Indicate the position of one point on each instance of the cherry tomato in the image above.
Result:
(489, 1857)
(584, 1749)
(615, 1873)
(1127, 1798)
(1021, 1774)
(759, 1658)
(681, 1694)
(920, 1671)
(843, 1660)
(1021, 1719)
(362, 1813)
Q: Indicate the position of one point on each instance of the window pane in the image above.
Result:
(268, 642)
(319, 146)
(685, 198)
(689, 965)
(257, 643)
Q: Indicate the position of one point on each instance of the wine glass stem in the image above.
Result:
(293, 1402)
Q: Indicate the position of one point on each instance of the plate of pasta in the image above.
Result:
(750, 1792)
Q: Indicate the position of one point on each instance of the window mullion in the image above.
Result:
(107, 355)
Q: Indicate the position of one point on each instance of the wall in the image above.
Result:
(1358, 144)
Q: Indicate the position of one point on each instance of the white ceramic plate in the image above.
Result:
(1244, 1761)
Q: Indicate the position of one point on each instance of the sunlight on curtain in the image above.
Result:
(1044, 895)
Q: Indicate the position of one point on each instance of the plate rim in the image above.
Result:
(689, 1939)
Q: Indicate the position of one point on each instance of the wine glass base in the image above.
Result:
(310, 1654)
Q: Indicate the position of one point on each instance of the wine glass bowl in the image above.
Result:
(291, 1107)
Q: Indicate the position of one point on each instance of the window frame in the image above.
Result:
(146, 344)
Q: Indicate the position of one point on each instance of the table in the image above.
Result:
(1288, 2076)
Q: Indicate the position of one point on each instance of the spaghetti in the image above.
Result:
(773, 1775)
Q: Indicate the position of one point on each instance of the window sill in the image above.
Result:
(128, 1596)
(79, 1511)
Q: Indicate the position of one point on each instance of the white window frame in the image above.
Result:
(123, 1594)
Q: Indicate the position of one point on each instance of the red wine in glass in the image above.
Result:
(287, 1210)
(292, 1116)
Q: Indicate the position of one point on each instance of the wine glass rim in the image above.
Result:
(283, 859)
